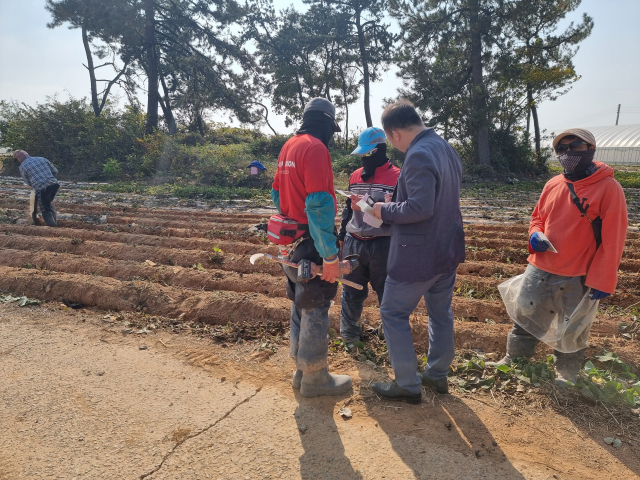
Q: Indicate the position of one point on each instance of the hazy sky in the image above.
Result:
(38, 62)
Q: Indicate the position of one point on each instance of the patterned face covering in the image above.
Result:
(572, 161)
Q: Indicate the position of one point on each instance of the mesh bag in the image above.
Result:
(556, 310)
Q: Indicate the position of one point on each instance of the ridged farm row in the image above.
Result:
(194, 265)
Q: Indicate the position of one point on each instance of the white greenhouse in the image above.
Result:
(618, 144)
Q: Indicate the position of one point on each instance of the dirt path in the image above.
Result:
(80, 400)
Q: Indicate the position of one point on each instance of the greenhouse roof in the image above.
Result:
(616, 136)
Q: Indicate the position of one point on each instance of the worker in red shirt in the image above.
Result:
(303, 191)
(377, 179)
(577, 234)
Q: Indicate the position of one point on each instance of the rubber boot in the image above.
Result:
(568, 366)
(297, 379)
(49, 219)
(520, 343)
(321, 382)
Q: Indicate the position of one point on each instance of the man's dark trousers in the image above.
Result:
(44, 198)
(399, 302)
(372, 269)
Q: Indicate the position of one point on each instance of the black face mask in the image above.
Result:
(318, 125)
(577, 165)
(374, 161)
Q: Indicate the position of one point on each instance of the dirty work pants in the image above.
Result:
(308, 338)
(372, 269)
(399, 301)
(521, 343)
(44, 198)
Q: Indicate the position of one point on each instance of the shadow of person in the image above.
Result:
(324, 455)
(442, 439)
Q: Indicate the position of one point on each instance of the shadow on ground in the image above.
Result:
(324, 453)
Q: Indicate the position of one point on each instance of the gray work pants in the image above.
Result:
(399, 301)
(308, 337)
(372, 269)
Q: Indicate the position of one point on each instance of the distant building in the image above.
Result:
(618, 144)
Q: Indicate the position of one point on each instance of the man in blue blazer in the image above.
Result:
(427, 245)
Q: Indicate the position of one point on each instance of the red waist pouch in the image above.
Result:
(284, 231)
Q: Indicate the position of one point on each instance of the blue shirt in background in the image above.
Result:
(38, 173)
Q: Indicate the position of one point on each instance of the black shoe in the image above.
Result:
(438, 386)
(393, 391)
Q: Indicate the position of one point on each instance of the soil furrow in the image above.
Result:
(119, 251)
(164, 213)
(468, 287)
(110, 294)
(224, 307)
(190, 278)
(151, 221)
(227, 246)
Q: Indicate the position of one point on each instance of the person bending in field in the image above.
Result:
(377, 178)
(303, 192)
(38, 173)
(582, 214)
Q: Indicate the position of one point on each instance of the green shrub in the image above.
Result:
(70, 135)
(225, 135)
(345, 163)
(111, 169)
(269, 147)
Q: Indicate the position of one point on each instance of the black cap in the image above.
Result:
(323, 105)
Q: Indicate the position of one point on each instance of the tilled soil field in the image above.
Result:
(190, 261)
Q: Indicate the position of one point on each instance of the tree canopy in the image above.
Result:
(476, 69)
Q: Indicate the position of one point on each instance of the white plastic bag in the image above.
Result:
(556, 310)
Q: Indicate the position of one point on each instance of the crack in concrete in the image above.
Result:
(200, 432)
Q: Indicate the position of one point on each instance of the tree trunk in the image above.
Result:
(266, 118)
(300, 96)
(92, 72)
(365, 69)
(479, 93)
(166, 109)
(534, 114)
(346, 105)
(152, 66)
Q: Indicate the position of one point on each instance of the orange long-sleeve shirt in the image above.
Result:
(572, 235)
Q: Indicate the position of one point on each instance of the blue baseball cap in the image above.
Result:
(368, 140)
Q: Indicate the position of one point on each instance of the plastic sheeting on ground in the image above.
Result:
(556, 310)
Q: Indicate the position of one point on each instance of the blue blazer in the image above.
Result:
(427, 235)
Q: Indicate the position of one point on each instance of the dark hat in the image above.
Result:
(323, 105)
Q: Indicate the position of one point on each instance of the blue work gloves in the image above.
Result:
(536, 244)
(598, 294)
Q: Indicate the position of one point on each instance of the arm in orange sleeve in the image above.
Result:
(603, 271)
(537, 219)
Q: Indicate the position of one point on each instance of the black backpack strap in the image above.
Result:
(576, 201)
(582, 205)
